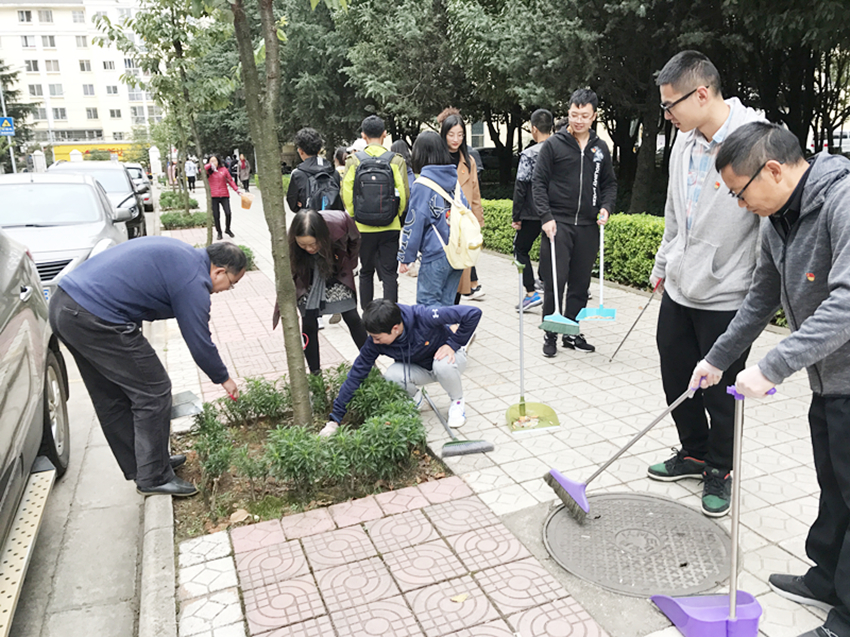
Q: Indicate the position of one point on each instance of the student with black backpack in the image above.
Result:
(314, 185)
(375, 192)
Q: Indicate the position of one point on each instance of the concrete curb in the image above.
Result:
(158, 604)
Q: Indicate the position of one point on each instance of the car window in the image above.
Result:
(111, 180)
(135, 173)
(47, 204)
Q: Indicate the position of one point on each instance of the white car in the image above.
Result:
(140, 178)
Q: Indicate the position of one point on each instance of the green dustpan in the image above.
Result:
(600, 313)
(557, 322)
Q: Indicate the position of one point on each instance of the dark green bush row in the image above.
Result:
(173, 200)
(178, 220)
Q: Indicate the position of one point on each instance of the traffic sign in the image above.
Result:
(7, 126)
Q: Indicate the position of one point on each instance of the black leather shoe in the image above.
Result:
(229, 233)
(177, 487)
(177, 460)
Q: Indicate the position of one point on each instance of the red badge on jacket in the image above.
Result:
(810, 276)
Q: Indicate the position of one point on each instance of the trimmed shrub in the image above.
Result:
(178, 220)
(498, 234)
(249, 253)
(172, 200)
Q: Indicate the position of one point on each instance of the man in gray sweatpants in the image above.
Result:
(804, 264)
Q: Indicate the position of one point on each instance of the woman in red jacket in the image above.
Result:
(220, 179)
(323, 251)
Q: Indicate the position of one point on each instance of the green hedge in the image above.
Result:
(178, 220)
(172, 200)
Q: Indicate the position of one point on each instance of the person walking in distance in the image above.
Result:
(525, 218)
(375, 192)
(243, 172)
(219, 179)
(191, 170)
(574, 189)
(314, 184)
(704, 266)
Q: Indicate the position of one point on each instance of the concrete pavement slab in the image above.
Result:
(109, 620)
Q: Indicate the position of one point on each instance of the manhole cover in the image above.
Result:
(640, 545)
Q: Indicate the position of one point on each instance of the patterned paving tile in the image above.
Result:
(207, 614)
(508, 499)
(354, 584)
(444, 490)
(402, 500)
(307, 523)
(282, 603)
(256, 536)
(355, 511)
(335, 548)
(458, 516)
(784, 618)
(519, 585)
(490, 629)
(233, 630)
(271, 564)
(561, 618)
(439, 614)
(400, 531)
(490, 546)
(487, 479)
(318, 627)
(423, 565)
(386, 618)
(205, 578)
(204, 549)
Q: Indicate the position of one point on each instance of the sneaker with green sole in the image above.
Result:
(678, 467)
(716, 492)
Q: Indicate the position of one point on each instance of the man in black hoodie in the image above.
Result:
(574, 189)
(315, 183)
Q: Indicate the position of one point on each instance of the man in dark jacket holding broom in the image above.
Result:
(804, 265)
(574, 189)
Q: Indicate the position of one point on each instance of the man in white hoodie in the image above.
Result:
(704, 267)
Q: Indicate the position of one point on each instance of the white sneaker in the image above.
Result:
(321, 322)
(329, 429)
(457, 414)
(476, 295)
(417, 398)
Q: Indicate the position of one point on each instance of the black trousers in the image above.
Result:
(575, 253)
(828, 543)
(245, 183)
(191, 183)
(223, 202)
(684, 336)
(378, 252)
(310, 327)
(523, 241)
(128, 385)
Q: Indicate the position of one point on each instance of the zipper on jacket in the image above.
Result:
(580, 179)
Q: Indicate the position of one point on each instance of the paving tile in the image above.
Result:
(774, 524)
(525, 469)
(497, 628)
(509, 499)
(355, 584)
(282, 603)
(487, 479)
(422, 565)
(335, 548)
(207, 614)
(400, 531)
(205, 578)
(274, 563)
(445, 489)
(458, 516)
(784, 618)
(401, 500)
(519, 585)
(318, 627)
(563, 617)
(307, 523)
(355, 511)
(386, 618)
(204, 549)
(440, 615)
(256, 536)
(490, 546)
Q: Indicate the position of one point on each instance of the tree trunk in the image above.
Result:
(644, 184)
(262, 110)
(181, 131)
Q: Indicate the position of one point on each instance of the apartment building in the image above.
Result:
(75, 83)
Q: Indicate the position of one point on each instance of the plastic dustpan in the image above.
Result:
(708, 615)
(600, 313)
(557, 322)
(524, 416)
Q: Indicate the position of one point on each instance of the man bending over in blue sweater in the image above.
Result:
(424, 347)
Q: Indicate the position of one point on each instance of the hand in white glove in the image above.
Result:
(329, 429)
(752, 383)
(657, 284)
(705, 375)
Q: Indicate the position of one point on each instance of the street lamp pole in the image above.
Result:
(11, 145)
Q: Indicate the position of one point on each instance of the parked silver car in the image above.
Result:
(140, 178)
(63, 218)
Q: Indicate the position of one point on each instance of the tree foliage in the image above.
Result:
(17, 109)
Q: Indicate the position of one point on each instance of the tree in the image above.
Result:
(17, 109)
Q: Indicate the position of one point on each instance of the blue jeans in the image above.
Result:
(437, 283)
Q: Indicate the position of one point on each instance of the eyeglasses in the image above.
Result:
(233, 283)
(580, 117)
(740, 194)
(666, 107)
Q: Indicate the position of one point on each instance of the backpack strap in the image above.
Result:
(433, 185)
(362, 155)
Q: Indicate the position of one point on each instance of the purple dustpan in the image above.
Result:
(575, 489)
(708, 615)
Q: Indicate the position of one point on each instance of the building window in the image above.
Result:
(137, 114)
(36, 90)
(31, 66)
(55, 90)
(112, 90)
(28, 41)
(109, 66)
(135, 94)
(117, 136)
(125, 13)
(115, 113)
(82, 42)
(24, 16)
(98, 14)
(51, 66)
(59, 113)
(48, 41)
(88, 89)
(130, 63)
(79, 17)
(40, 114)
(85, 65)
(45, 15)
(91, 113)
(477, 137)
(155, 114)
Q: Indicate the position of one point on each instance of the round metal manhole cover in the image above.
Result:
(640, 545)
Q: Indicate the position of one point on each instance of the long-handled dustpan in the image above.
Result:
(557, 322)
(646, 305)
(600, 313)
(457, 447)
(524, 416)
(736, 614)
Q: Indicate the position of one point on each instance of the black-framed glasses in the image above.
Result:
(666, 107)
(740, 194)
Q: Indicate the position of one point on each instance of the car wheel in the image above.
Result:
(56, 439)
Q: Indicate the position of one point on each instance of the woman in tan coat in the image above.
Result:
(453, 132)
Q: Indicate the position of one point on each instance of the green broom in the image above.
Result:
(557, 322)
(457, 447)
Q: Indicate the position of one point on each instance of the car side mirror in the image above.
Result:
(122, 214)
(142, 188)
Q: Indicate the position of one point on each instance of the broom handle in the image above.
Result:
(601, 265)
(555, 276)
(646, 305)
(687, 394)
(736, 505)
(439, 415)
(520, 268)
